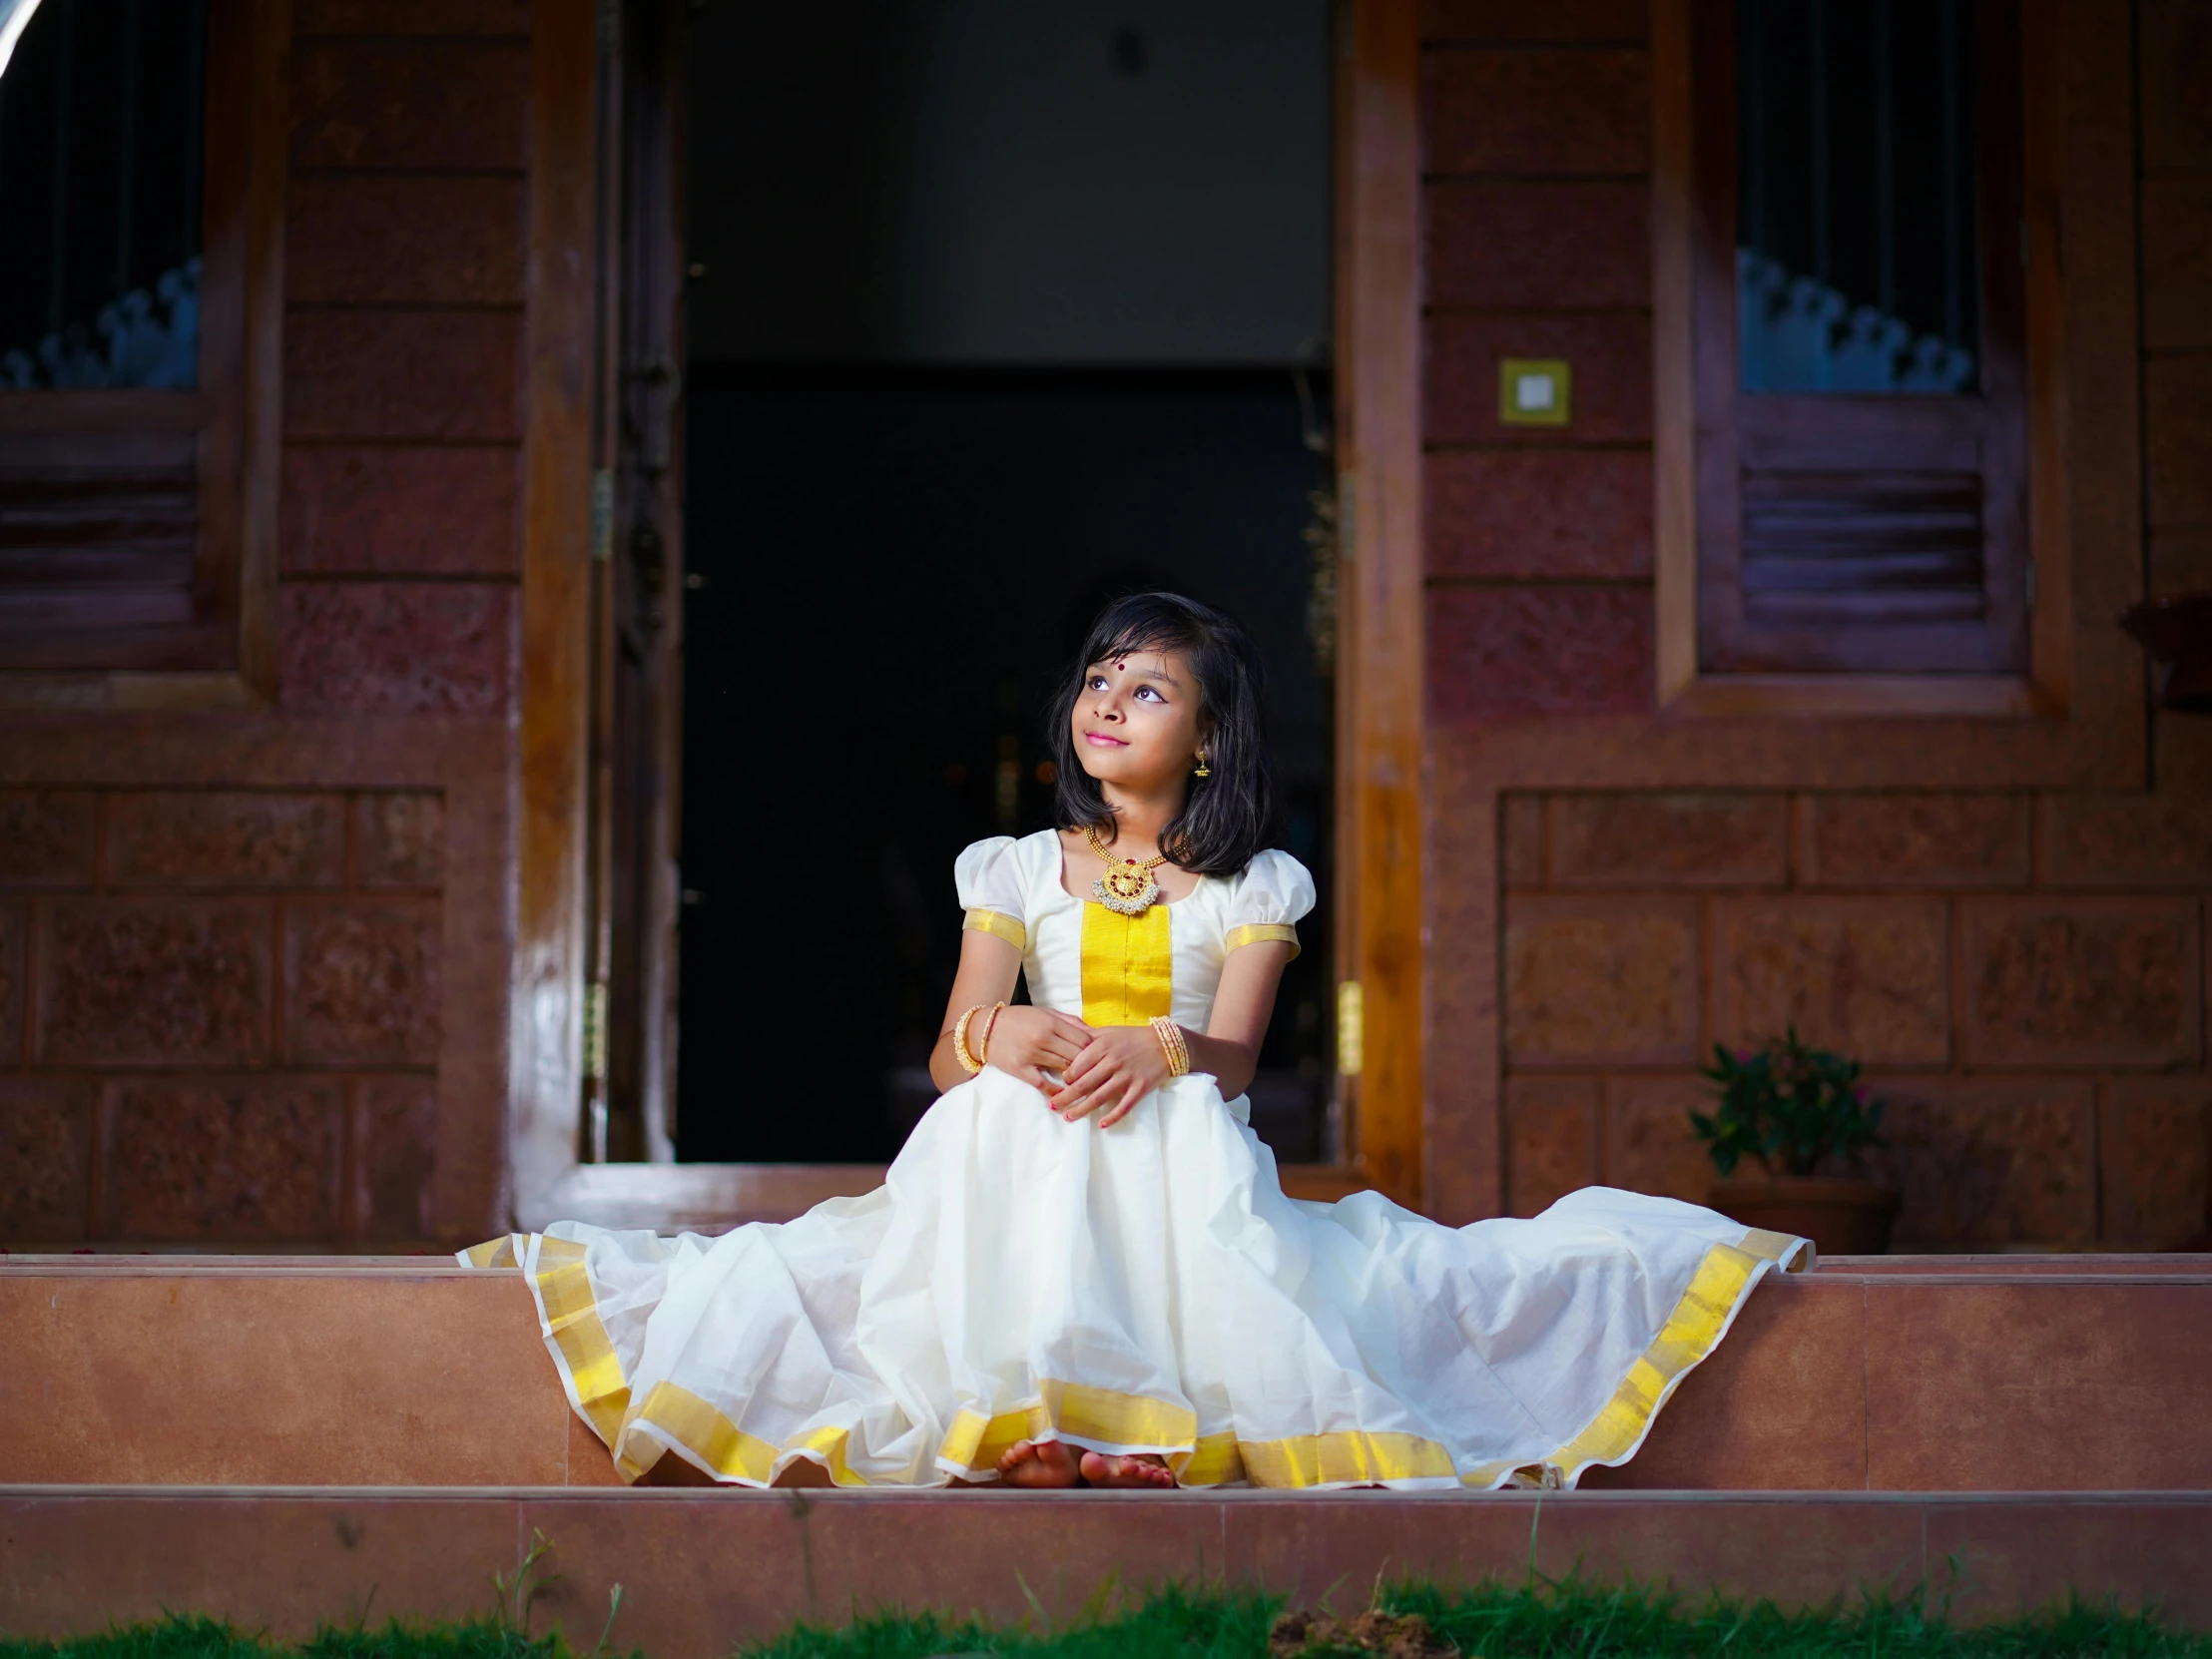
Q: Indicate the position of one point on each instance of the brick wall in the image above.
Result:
(2039, 1032)
(2022, 970)
(253, 965)
(1538, 130)
(404, 240)
(2176, 154)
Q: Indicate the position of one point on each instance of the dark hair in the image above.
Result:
(1227, 817)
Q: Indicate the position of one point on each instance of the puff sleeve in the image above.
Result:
(1274, 892)
(989, 884)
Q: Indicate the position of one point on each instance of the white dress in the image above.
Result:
(1145, 1287)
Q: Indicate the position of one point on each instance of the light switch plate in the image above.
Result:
(1535, 391)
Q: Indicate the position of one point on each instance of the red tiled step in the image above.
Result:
(2100, 1266)
(316, 1370)
(704, 1571)
(407, 1371)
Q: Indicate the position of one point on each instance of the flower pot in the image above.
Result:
(1842, 1218)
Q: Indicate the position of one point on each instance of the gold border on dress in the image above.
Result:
(1263, 932)
(998, 924)
(1108, 1420)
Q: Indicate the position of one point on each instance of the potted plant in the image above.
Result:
(1793, 1109)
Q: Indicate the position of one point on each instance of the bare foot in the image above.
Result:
(1140, 1468)
(1037, 1464)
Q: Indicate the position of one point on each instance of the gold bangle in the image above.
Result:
(983, 1052)
(1171, 1039)
(968, 1062)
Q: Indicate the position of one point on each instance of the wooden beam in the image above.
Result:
(1381, 633)
(545, 1074)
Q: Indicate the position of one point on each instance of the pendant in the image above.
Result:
(1126, 892)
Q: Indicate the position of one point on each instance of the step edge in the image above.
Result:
(1633, 1497)
(154, 1266)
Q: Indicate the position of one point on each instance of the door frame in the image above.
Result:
(1381, 696)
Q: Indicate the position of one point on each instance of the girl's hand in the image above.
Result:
(1120, 1066)
(1029, 1042)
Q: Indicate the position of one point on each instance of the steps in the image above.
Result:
(290, 1441)
(1993, 1376)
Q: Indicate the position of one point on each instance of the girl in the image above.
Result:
(1081, 1268)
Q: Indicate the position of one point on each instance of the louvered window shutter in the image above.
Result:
(1861, 470)
(121, 324)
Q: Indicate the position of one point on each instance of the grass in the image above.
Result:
(1568, 1621)
(195, 1637)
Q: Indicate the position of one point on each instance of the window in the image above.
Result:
(123, 184)
(1846, 198)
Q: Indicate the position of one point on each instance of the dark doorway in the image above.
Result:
(996, 310)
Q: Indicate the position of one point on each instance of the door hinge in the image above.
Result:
(602, 515)
(595, 1033)
(1351, 1028)
(2032, 584)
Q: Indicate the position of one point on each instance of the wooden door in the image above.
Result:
(636, 586)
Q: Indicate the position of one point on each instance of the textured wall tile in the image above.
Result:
(1496, 244)
(227, 839)
(2163, 839)
(1514, 653)
(1983, 1162)
(45, 1159)
(2177, 399)
(1869, 977)
(46, 839)
(2083, 983)
(1631, 839)
(455, 105)
(1537, 112)
(1508, 21)
(1545, 513)
(411, 17)
(401, 840)
(2174, 38)
(2177, 262)
(395, 1123)
(1591, 980)
(1649, 1144)
(1609, 353)
(2154, 1145)
(1914, 841)
(13, 933)
(1551, 1146)
(413, 240)
(402, 511)
(403, 374)
(391, 648)
(208, 1159)
(1521, 840)
(361, 982)
(135, 981)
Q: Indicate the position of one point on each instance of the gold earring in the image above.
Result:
(1204, 771)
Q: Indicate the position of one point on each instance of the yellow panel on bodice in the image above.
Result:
(1128, 967)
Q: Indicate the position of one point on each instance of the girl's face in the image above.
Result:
(1136, 722)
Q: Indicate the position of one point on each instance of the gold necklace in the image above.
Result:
(1127, 887)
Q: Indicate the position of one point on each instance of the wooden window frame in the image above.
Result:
(1381, 702)
(1685, 437)
(229, 425)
